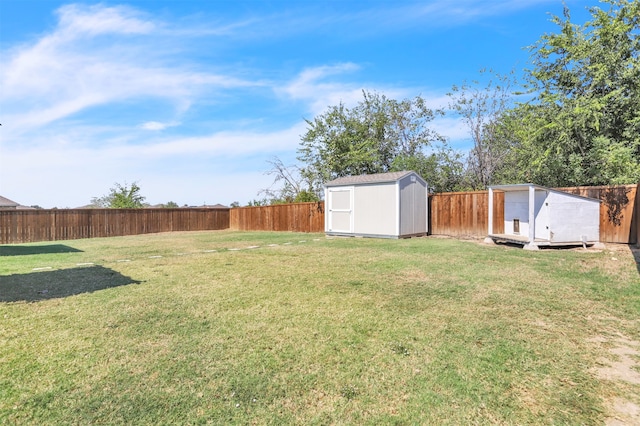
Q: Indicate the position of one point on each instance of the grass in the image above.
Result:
(162, 329)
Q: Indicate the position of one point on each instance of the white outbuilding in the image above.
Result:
(536, 216)
(384, 205)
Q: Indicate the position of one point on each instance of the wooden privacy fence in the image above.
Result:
(299, 217)
(456, 214)
(22, 226)
(465, 213)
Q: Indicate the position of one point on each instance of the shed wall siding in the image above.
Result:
(572, 218)
(375, 209)
(413, 207)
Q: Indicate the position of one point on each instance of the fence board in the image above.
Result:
(298, 217)
(24, 226)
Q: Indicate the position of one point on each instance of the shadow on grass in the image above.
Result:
(635, 250)
(27, 250)
(37, 286)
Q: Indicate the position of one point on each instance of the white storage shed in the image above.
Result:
(384, 205)
(536, 216)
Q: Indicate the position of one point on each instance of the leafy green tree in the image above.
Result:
(306, 196)
(171, 205)
(377, 135)
(583, 125)
(442, 169)
(259, 203)
(121, 197)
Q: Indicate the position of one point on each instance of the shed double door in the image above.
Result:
(340, 209)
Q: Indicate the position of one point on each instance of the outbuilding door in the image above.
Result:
(340, 209)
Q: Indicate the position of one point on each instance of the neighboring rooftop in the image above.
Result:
(215, 206)
(6, 203)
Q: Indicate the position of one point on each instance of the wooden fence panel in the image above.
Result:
(298, 217)
(465, 213)
(23, 226)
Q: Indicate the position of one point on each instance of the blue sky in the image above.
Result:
(190, 99)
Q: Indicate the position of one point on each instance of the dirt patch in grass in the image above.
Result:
(621, 365)
(626, 413)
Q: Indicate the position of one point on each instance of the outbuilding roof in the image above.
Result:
(373, 178)
(525, 186)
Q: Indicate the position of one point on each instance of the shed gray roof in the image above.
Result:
(373, 178)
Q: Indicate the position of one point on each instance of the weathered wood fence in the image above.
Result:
(22, 226)
(459, 214)
(465, 213)
(299, 217)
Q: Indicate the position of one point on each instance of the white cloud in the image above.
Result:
(310, 76)
(226, 143)
(445, 13)
(91, 20)
(310, 86)
(74, 68)
(156, 125)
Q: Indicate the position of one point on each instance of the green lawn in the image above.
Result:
(278, 328)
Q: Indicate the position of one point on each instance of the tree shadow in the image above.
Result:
(616, 199)
(41, 249)
(38, 286)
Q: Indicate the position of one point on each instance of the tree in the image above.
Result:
(121, 197)
(289, 184)
(377, 135)
(442, 169)
(259, 203)
(482, 110)
(582, 126)
(171, 205)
